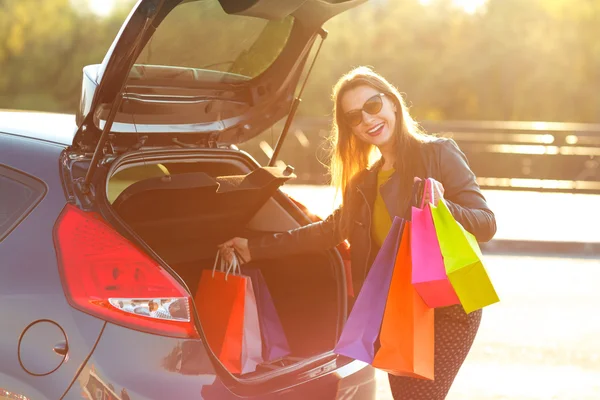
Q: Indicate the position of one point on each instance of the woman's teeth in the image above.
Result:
(375, 129)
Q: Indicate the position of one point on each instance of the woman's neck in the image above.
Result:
(389, 157)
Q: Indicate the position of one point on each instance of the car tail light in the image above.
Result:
(344, 249)
(105, 275)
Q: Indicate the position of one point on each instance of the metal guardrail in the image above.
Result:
(540, 156)
(505, 155)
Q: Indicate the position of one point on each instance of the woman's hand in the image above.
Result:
(240, 245)
(432, 196)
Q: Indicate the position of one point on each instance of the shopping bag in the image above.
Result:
(463, 261)
(220, 303)
(252, 345)
(358, 337)
(274, 341)
(407, 330)
(428, 272)
(224, 303)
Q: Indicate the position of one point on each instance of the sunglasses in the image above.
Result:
(372, 106)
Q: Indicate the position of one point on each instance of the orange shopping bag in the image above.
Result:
(407, 330)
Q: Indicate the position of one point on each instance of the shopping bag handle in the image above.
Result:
(425, 190)
(234, 267)
(415, 200)
(215, 264)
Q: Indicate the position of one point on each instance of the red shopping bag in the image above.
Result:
(220, 303)
(428, 271)
(407, 330)
(227, 309)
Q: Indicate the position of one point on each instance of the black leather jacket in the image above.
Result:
(441, 159)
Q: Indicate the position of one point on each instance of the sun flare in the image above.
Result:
(101, 8)
(469, 6)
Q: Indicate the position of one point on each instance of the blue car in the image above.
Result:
(108, 218)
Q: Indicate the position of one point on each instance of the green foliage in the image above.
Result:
(43, 47)
(510, 60)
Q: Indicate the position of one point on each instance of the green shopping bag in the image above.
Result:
(463, 261)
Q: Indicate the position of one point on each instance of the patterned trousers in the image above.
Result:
(454, 335)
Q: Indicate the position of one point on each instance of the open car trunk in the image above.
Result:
(183, 206)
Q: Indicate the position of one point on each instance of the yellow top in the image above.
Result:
(382, 222)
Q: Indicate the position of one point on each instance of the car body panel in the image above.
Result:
(49, 127)
(120, 362)
(181, 369)
(34, 309)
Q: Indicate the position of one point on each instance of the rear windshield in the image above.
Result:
(198, 34)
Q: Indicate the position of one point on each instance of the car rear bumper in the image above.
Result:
(129, 365)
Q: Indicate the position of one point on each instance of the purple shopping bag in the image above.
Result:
(275, 344)
(362, 328)
(429, 276)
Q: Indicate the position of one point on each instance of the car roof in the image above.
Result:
(50, 127)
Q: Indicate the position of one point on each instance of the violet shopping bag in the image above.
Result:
(362, 327)
(428, 272)
(275, 344)
(407, 330)
(463, 261)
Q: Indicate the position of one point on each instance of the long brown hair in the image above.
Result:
(350, 155)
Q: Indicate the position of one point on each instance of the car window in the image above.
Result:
(19, 194)
(201, 35)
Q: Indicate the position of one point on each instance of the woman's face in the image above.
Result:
(367, 121)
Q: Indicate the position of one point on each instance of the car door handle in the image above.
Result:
(61, 348)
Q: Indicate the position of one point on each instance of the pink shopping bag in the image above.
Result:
(428, 271)
(252, 342)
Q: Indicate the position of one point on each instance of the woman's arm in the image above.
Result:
(317, 236)
(463, 195)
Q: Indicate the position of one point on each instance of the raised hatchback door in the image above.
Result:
(200, 70)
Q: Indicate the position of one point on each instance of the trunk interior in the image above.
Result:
(184, 208)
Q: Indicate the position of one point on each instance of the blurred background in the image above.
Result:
(527, 60)
(515, 82)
